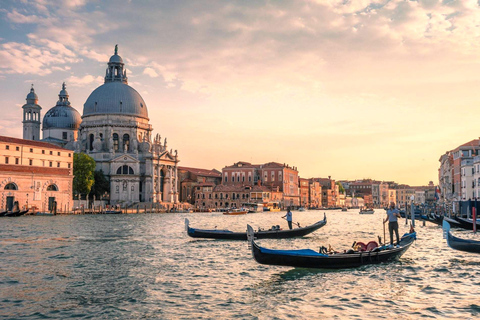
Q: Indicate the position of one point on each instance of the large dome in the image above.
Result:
(62, 117)
(115, 98)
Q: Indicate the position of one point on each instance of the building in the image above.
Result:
(35, 174)
(190, 178)
(115, 131)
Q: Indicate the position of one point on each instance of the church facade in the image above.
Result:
(114, 130)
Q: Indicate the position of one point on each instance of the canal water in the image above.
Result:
(144, 266)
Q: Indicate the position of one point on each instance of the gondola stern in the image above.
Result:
(187, 224)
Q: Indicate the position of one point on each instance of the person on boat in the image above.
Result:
(289, 218)
(392, 217)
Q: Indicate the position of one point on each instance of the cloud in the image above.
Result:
(150, 72)
(83, 81)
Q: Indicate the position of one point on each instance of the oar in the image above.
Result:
(293, 222)
(384, 239)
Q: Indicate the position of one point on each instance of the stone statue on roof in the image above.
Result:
(116, 49)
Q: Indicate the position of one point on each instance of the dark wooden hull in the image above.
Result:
(311, 259)
(453, 222)
(267, 234)
(467, 224)
(16, 213)
(463, 244)
(437, 219)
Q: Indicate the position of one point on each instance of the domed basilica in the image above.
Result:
(115, 131)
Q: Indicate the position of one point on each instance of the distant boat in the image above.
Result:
(344, 209)
(367, 211)
(236, 211)
(301, 209)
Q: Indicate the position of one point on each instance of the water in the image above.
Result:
(146, 267)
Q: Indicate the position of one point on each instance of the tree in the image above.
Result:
(340, 188)
(100, 186)
(83, 168)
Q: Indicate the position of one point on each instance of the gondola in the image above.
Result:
(3, 213)
(308, 258)
(273, 233)
(458, 243)
(16, 213)
(453, 222)
(112, 211)
(467, 223)
(433, 218)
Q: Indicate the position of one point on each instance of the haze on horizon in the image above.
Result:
(347, 89)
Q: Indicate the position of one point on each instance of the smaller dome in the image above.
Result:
(115, 59)
(32, 95)
(62, 117)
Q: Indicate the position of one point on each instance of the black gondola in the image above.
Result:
(16, 213)
(459, 243)
(453, 222)
(307, 258)
(434, 218)
(467, 223)
(274, 233)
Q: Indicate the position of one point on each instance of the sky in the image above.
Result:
(347, 89)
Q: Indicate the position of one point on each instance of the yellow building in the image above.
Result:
(35, 174)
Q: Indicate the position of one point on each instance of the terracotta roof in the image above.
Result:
(34, 169)
(32, 143)
(202, 172)
(242, 164)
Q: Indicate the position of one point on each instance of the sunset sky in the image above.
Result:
(347, 89)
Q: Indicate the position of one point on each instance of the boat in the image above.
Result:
(434, 218)
(367, 211)
(344, 209)
(236, 211)
(16, 213)
(308, 258)
(112, 211)
(301, 209)
(460, 244)
(44, 214)
(3, 213)
(467, 223)
(453, 222)
(272, 233)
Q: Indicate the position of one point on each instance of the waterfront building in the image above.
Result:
(315, 194)
(403, 195)
(445, 179)
(35, 174)
(304, 186)
(476, 177)
(279, 178)
(329, 192)
(467, 181)
(190, 178)
(115, 131)
(465, 151)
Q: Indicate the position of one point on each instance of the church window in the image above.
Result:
(92, 137)
(11, 186)
(125, 170)
(17, 148)
(17, 160)
(64, 135)
(7, 147)
(52, 187)
(126, 141)
(43, 151)
(115, 142)
(6, 160)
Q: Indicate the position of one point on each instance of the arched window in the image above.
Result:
(11, 186)
(92, 137)
(126, 141)
(115, 142)
(125, 170)
(52, 187)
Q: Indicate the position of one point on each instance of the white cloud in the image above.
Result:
(150, 72)
(83, 81)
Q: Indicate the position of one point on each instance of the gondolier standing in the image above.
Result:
(392, 215)
(289, 218)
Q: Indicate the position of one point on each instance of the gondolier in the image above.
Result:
(289, 218)
(392, 215)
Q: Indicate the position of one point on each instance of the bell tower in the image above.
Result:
(31, 117)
